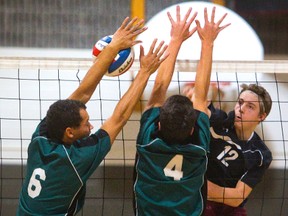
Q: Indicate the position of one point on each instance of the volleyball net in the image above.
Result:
(30, 85)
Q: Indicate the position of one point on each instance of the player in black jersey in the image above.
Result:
(238, 157)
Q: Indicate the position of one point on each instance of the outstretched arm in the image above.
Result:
(179, 33)
(207, 36)
(229, 196)
(148, 65)
(123, 38)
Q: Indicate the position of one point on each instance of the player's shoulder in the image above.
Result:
(151, 112)
(202, 119)
(257, 142)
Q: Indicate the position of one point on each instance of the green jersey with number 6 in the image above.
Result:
(55, 183)
(169, 178)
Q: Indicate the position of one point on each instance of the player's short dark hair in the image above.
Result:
(177, 118)
(264, 97)
(63, 114)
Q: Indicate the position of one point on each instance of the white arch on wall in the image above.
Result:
(238, 42)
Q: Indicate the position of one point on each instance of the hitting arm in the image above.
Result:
(123, 38)
(179, 33)
(207, 36)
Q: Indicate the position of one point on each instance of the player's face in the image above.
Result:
(85, 127)
(247, 111)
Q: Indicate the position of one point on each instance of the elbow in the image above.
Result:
(85, 98)
(159, 87)
(121, 120)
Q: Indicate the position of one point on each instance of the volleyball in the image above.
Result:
(121, 63)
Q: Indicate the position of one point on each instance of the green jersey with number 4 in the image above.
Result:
(170, 177)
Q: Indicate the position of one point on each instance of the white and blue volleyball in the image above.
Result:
(121, 63)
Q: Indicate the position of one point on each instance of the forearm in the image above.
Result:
(202, 80)
(166, 70)
(94, 74)
(229, 196)
(129, 100)
(125, 106)
(164, 75)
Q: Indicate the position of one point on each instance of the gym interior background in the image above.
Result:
(73, 24)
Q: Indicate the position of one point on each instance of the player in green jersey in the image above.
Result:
(174, 136)
(62, 154)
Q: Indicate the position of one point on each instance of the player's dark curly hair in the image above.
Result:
(63, 114)
(264, 97)
(177, 118)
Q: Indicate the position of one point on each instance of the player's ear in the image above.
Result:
(69, 133)
(262, 117)
(159, 125)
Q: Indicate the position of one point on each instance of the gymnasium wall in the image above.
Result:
(78, 24)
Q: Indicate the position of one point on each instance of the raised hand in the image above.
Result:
(211, 29)
(125, 35)
(180, 28)
(154, 57)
